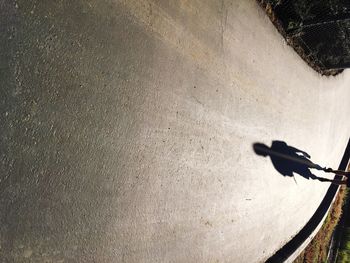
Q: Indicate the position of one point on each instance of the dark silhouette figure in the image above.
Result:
(288, 160)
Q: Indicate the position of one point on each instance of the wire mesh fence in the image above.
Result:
(319, 30)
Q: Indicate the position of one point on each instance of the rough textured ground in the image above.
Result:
(127, 126)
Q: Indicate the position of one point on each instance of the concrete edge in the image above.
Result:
(311, 237)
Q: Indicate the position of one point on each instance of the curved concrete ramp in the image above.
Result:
(127, 131)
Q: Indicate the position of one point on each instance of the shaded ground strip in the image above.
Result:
(314, 31)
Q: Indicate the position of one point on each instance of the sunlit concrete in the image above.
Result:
(127, 126)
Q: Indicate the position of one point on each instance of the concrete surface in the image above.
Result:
(127, 126)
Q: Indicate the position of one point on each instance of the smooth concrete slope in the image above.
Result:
(127, 131)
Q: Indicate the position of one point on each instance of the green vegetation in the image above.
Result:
(344, 251)
(317, 30)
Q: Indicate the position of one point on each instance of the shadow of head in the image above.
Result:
(261, 149)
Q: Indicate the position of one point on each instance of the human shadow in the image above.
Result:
(288, 160)
(290, 248)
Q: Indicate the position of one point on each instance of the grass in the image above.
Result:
(344, 248)
(344, 251)
(317, 250)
